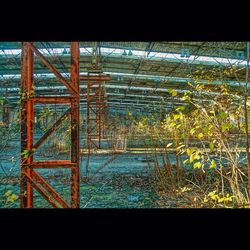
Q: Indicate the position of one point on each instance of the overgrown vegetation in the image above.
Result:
(202, 156)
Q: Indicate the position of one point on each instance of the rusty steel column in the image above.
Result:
(75, 127)
(96, 110)
(6, 115)
(27, 126)
(30, 178)
(98, 113)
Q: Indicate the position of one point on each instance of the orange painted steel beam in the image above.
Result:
(27, 117)
(52, 164)
(49, 189)
(51, 99)
(96, 111)
(29, 178)
(75, 126)
(42, 192)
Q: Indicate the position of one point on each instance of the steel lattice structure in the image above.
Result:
(30, 179)
(96, 112)
(141, 75)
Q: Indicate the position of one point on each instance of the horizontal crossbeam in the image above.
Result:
(51, 99)
(52, 164)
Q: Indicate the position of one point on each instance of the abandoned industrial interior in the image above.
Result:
(124, 124)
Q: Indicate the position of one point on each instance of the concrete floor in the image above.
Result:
(124, 183)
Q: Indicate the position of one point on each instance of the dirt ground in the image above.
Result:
(125, 183)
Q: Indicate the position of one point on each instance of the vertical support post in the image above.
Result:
(30, 179)
(98, 115)
(95, 117)
(75, 127)
(88, 129)
(27, 119)
(6, 115)
(96, 110)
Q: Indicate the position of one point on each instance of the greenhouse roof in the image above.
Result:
(141, 72)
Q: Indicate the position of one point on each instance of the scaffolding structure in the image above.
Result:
(30, 179)
(96, 100)
(131, 88)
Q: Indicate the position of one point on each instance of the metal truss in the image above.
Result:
(30, 179)
(96, 112)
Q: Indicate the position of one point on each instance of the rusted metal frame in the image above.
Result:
(27, 124)
(98, 117)
(95, 104)
(38, 178)
(92, 134)
(102, 112)
(93, 143)
(52, 129)
(88, 136)
(75, 126)
(42, 192)
(52, 99)
(103, 117)
(72, 89)
(88, 116)
(27, 165)
(6, 115)
(52, 164)
(92, 108)
(94, 97)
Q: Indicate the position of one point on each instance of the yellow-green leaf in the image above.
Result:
(222, 115)
(178, 126)
(176, 117)
(197, 165)
(192, 131)
(172, 124)
(12, 198)
(192, 158)
(200, 135)
(205, 200)
(8, 193)
(211, 145)
(213, 164)
(180, 108)
(225, 127)
(174, 92)
(190, 151)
